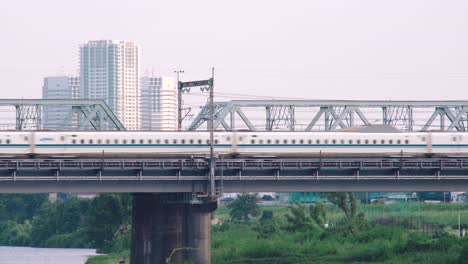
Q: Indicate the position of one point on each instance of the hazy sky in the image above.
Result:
(330, 49)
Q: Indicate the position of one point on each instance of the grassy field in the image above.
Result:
(398, 239)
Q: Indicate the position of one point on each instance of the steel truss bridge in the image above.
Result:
(89, 114)
(234, 175)
(331, 115)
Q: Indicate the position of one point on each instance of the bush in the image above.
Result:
(418, 242)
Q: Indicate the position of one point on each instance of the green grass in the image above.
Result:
(393, 242)
(109, 259)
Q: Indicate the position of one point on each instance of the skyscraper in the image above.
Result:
(110, 71)
(59, 87)
(158, 103)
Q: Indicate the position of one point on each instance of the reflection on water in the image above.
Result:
(26, 255)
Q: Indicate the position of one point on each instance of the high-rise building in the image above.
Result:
(158, 108)
(59, 87)
(110, 71)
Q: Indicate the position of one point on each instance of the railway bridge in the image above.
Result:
(172, 202)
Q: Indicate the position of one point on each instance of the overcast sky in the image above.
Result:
(328, 49)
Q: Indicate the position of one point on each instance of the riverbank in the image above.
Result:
(393, 233)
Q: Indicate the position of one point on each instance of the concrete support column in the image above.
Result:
(170, 226)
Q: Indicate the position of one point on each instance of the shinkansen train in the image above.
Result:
(73, 144)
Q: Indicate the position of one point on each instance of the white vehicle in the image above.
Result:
(133, 144)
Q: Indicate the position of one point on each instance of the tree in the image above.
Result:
(267, 227)
(244, 206)
(20, 207)
(318, 213)
(107, 214)
(298, 220)
(346, 202)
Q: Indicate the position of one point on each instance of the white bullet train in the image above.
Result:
(133, 144)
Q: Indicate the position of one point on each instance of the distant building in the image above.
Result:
(158, 105)
(110, 70)
(59, 87)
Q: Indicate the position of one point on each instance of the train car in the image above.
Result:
(136, 144)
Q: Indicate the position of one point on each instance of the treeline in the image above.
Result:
(32, 220)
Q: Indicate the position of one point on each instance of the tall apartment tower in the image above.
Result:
(158, 103)
(110, 70)
(59, 87)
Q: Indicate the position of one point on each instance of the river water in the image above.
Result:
(27, 255)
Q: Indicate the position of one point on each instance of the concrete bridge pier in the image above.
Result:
(171, 226)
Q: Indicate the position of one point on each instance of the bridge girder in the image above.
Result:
(331, 115)
(86, 113)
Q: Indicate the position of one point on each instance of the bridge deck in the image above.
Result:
(234, 175)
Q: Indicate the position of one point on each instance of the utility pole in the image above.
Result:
(179, 101)
(212, 157)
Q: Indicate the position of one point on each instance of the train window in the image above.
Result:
(116, 141)
(301, 141)
(150, 141)
(406, 141)
(166, 141)
(191, 141)
(366, 141)
(326, 141)
(8, 141)
(454, 139)
(26, 138)
(398, 141)
(241, 138)
(252, 141)
(61, 138)
(82, 141)
(107, 141)
(133, 141)
(334, 141)
(358, 141)
(342, 141)
(124, 141)
(382, 141)
(99, 141)
(424, 138)
(310, 141)
(158, 141)
(390, 141)
(293, 141)
(350, 141)
(374, 141)
(0, 141)
(268, 141)
(216, 141)
(277, 141)
(174, 141)
(90, 141)
(285, 141)
(208, 141)
(199, 141)
(142, 141)
(260, 141)
(73, 141)
(317, 141)
(228, 138)
(182, 141)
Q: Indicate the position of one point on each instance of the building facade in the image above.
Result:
(158, 108)
(110, 70)
(59, 87)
